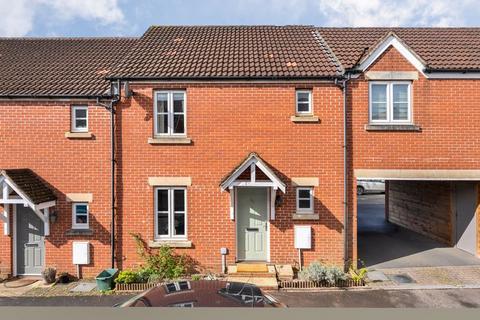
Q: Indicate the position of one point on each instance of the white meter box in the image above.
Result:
(81, 252)
(303, 237)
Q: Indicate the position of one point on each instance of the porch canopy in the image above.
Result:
(252, 172)
(23, 186)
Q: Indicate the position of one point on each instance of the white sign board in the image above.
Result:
(303, 237)
(81, 252)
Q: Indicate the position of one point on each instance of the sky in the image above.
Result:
(60, 18)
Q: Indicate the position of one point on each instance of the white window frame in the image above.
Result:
(76, 225)
(305, 210)
(310, 102)
(74, 118)
(390, 85)
(170, 113)
(171, 214)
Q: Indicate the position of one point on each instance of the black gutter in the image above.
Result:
(430, 70)
(173, 79)
(52, 97)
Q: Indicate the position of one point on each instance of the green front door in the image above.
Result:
(252, 223)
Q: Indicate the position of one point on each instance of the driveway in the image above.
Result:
(454, 298)
(384, 245)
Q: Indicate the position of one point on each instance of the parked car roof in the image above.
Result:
(203, 293)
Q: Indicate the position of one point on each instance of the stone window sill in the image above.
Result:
(169, 140)
(306, 216)
(79, 232)
(170, 243)
(392, 127)
(308, 119)
(78, 135)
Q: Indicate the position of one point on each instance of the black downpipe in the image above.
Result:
(110, 107)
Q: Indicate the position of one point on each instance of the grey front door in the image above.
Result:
(466, 195)
(252, 223)
(30, 242)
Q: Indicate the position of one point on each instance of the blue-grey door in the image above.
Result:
(252, 223)
(30, 242)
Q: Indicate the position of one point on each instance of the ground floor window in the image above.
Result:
(80, 216)
(170, 213)
(305, 200)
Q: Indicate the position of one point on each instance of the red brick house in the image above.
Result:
(228, 138)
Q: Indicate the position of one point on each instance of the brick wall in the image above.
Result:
(422, 206)
(32, 135)
(226, 122)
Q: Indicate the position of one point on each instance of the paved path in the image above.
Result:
(451, 298)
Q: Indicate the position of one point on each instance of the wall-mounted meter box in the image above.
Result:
(81, 252)
(303, 237)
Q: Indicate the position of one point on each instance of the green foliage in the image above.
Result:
(196, 277)
(163, 264)
(126, 276)
(357, 274)
(322, 273)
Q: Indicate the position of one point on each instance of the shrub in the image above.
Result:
(144, 274)
(163, 264)
(196, 277)
(322, 273)
(357, 274)
(126, 276)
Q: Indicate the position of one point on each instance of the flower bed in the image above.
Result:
(305, 284)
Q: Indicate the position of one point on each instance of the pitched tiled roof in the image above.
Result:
(58, 66)
(30, 184)
(444, 49)
(229, 52)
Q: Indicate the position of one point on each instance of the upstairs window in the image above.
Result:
(303, 102)
(305, 200)
(79, 119)
(80, 216)
(390, 102)
(170, 113)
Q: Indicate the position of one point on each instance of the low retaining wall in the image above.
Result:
(301, 284)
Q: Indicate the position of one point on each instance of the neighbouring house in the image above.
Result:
(227, 137)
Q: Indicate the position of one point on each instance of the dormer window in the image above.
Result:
(390, 102)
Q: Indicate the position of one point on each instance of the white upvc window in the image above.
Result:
(305, 200)
(171, 213)
(170, 113)
(79, 119)
(303, 104)
(390, 102)
(80, 215)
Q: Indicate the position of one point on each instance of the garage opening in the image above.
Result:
(418, 223)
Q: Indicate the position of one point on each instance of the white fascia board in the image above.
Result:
(406, 52)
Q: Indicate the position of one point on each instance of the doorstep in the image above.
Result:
(260, 274)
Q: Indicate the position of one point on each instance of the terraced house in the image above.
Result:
(222, 141)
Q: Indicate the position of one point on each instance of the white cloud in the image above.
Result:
(18, 16)
(390, 13)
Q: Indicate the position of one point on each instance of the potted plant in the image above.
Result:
(49, 274)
